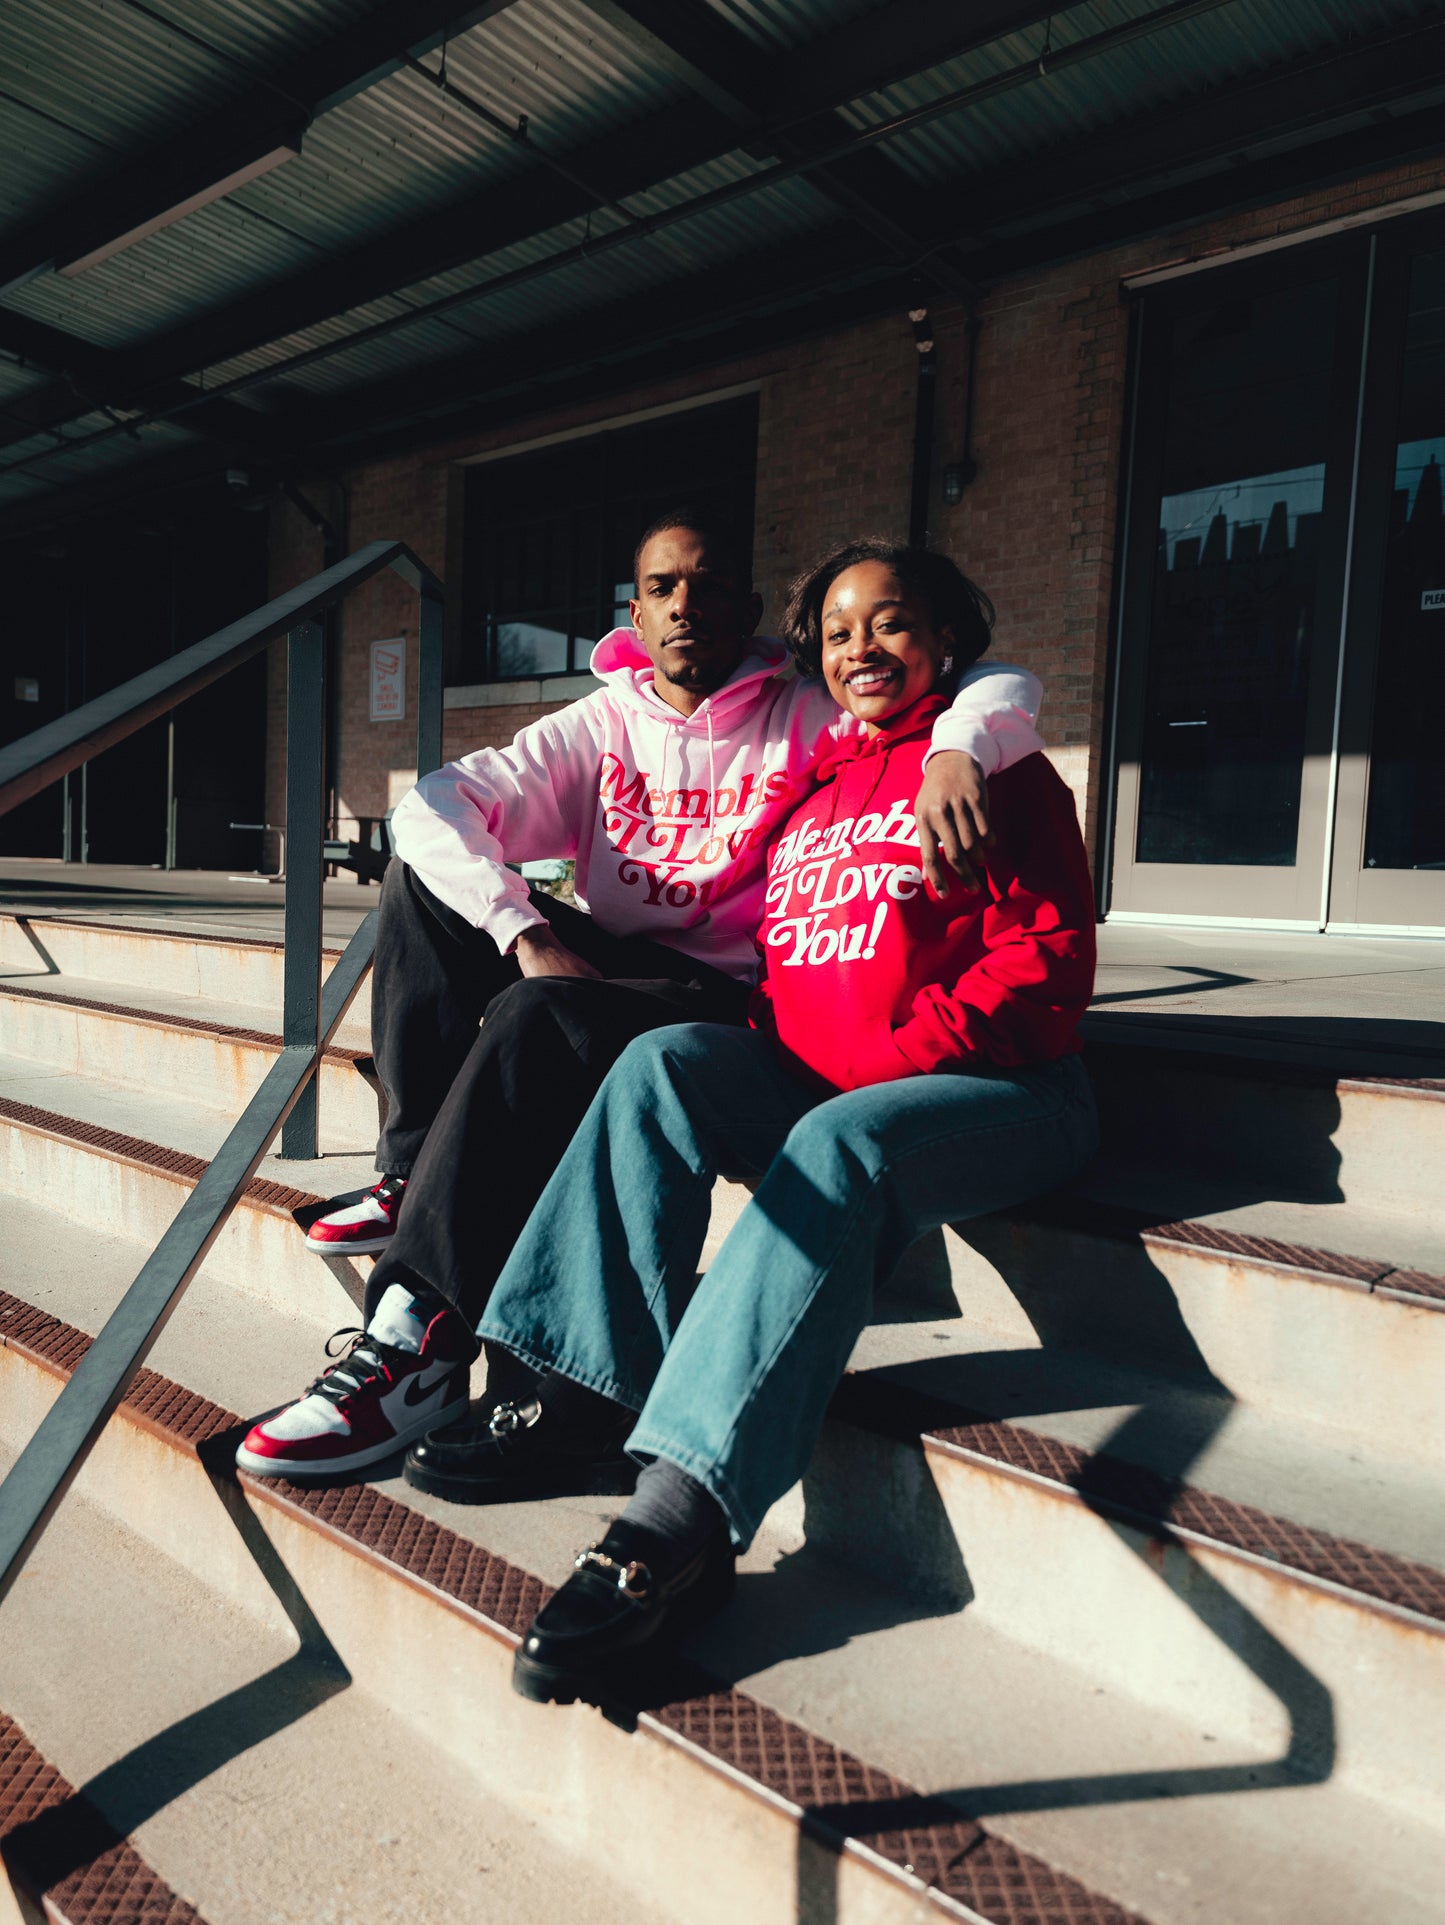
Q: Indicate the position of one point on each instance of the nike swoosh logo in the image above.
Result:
(416, 1392)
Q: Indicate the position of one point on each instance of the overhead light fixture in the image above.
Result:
(217, 190)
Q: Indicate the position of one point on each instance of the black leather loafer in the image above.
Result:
(613, 1612)
(514, 1450)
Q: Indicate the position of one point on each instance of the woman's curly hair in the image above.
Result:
(953, 601)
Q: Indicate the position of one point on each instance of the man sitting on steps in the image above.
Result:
(665, 785)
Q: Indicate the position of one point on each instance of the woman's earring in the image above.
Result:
(947, 664)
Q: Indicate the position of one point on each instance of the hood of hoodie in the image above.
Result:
(621, 662)
(916, 720)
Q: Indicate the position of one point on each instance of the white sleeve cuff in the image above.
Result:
(972, 738)
(510, 920)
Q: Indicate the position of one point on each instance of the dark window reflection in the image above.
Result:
(550, 535)
(1406, 821)
(1233, 612)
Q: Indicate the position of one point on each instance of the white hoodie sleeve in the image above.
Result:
(993, 717)
(460, 826)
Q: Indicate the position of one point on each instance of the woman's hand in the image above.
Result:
(953, 825)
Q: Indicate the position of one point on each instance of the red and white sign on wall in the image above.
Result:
(388, 680)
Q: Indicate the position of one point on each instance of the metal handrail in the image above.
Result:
(40, 758)
(286, 1100)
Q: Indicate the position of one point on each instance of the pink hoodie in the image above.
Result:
(668, 816)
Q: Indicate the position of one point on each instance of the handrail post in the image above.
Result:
(305, 804)
(46, 1467)
(429, 683)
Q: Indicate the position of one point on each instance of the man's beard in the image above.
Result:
(694, 676)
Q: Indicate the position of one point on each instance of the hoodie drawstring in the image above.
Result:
(711, 779)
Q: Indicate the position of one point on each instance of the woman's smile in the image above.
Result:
(873, 678)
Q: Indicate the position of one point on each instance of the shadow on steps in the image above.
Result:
(118, 1800)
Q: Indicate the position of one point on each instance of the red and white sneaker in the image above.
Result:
(375, 1399)
(360, 1229)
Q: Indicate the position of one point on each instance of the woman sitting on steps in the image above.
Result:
(911, 1063)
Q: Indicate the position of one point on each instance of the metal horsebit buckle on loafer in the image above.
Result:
(634, 1579)
(507, 1419)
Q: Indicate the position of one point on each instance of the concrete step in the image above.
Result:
(692, 1813)
(43, 1876)
(1173, 1813)
(163, 1040)
(220, 1052)
(1212, 1557)
(1310, 1132)
(1349, 1343)
(222, 969)
(124, 1160)
(263, 1783)
(1280, 1119)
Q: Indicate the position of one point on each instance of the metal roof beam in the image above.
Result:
(853, 59)
(805, 293)
(890, 44)
(697, 46)
(1305, 99)
(39, 345)
(725, 67)
(1239, 180)
(235, 141)
(623, 163)
(693, 131)
(87, 378)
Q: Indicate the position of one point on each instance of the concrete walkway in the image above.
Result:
(1369, 1003)
(1366, 1003)
(202, 899)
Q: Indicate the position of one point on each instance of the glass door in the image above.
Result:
(1240, 488)
(1389, 843)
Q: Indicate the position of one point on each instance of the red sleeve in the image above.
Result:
(761, 1015)
(1021, 1001)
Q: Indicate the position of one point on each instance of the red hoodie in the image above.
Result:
(867, 977)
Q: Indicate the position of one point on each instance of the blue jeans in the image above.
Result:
(732, 1372)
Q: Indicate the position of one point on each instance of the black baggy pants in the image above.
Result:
(477, 1119)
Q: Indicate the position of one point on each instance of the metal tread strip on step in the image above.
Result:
(1123, 1223)
(155, 1156)
(1116, 1222)
(162, 1019)
(1136, 1495)
(169, 934)
(839, 1799)
(1128, 1489)
(65, 1856)
(871, 1403)
(1102, 1039)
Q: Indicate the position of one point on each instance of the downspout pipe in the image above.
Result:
(924, 406)
(334, 540)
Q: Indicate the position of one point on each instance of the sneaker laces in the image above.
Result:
(389, 1189)
(362, 1363)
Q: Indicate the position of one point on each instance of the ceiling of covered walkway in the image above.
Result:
(276, 232)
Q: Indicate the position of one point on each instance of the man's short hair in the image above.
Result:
(701, 522)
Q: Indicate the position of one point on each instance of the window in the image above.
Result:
(1242, 487)
(547, 565)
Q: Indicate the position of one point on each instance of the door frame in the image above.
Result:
(1357, 899)
(1242, 894)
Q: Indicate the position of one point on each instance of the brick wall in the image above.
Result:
(1036, 529)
